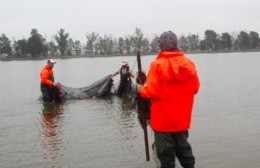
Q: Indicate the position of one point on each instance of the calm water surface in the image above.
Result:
(105, 133)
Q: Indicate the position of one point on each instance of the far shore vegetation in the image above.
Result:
(62, 46)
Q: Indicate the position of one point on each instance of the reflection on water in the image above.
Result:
(51, 132)
(127, 124)
(126, 105)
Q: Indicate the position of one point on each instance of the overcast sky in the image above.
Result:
(121, 17)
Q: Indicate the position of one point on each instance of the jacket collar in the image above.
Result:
(167, 54)
(48, 67)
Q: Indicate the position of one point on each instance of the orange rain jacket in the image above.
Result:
(171, 84)
(47, 76)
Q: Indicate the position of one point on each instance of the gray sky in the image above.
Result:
(121, 17)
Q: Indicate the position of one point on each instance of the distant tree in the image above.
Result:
(74, 48)
(120, 45)
(136, 40)
(36, 44)
(91, 40)
(127, 45)
(183, 43)
(225, 41)
(97, 47)
(111, 43)
(155, 45)
(145, 46)
(21, 47)
(106, 44)
(114, 43)
(193, 42)
(102, 46)
(235, 45)
(203, 45)
(70, 51)
(254, 40)
(211, 40)
(52, 48)
(62, 41)
(77, 47)
(5, 46)
(243, 40)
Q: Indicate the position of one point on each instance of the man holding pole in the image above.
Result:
(171, 84)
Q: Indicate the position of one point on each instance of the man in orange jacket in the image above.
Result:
(48, 87)
(171, 84)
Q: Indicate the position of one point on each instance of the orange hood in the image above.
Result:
(179, 67)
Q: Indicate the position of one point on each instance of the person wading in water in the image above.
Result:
(171, 84)
(49, 89)
(125, 84)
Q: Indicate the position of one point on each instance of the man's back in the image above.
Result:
(171, 84)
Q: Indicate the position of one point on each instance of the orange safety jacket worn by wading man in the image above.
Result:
(47, 77)
(171, 84)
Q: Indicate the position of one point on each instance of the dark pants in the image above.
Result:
(171, 145)
(50, 94)
(46, 93)
(124, 87)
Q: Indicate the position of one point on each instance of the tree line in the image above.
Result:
(36, 46)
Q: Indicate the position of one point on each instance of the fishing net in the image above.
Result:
(99, 88)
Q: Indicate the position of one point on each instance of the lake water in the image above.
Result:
(105, 133)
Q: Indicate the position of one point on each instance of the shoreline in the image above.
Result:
(23, 58)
